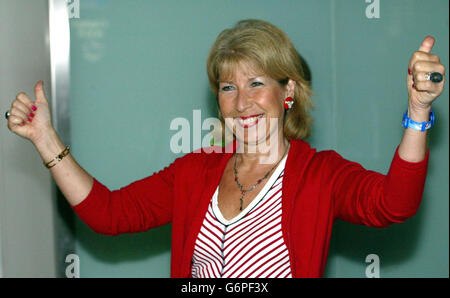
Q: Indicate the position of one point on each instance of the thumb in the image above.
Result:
(427, 44)
(39, 92)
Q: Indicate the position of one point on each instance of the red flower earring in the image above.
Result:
(288, 102)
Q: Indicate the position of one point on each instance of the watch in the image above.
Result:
(420, 126)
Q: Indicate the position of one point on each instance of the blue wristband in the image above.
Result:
(420, 126)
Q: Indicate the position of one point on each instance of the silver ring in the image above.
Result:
(7, 114)
(435, 77)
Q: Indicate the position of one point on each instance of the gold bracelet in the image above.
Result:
(58, 158)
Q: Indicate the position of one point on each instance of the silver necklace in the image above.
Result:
(241, 188)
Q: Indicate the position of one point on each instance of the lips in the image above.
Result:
(248, 121)
(251, 116)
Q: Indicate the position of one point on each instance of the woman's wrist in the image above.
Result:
(49, 145)
(419, 114)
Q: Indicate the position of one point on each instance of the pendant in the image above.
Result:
(242, 201)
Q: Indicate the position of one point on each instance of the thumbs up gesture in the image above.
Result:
(422, 91)
(28, 119)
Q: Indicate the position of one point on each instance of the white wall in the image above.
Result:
(27, 233)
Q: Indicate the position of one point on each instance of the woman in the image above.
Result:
(266, 206)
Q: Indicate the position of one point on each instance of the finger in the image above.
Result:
(428, 86)
(427, 66)
(422, 56)
(423, 53)
(25, 100)
(427, 44)
(421, 76)
(19, 105)
(15, 120)
(18, 113)
(39, 92)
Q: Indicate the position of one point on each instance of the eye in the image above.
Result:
(227, 88)
(255, 84)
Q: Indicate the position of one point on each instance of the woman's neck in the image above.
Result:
(254, 155)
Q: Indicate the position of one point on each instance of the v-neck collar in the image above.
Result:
(269, 184)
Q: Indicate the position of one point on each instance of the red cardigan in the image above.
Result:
(318, 188)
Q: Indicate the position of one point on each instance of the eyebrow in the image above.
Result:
(249, 79)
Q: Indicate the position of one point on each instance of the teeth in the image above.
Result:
(249, 120)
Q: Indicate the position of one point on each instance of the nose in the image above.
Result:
(243, 101)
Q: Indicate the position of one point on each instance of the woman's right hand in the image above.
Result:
(28, 119)
(73, 181)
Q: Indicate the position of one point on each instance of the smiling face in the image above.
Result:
(252, 104)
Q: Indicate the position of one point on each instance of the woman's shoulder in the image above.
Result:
(302, 148)
(314, 157)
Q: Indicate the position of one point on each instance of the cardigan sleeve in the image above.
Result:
(369, 198)
(141, 205)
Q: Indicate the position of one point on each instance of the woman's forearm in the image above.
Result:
(413, 147)
(73, 181)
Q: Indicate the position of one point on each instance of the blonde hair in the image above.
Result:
(263, 46)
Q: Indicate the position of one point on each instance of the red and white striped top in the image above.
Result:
(248, 246)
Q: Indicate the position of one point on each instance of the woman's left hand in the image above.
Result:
(422, 92)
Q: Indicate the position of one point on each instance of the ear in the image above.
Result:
(290, 88)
